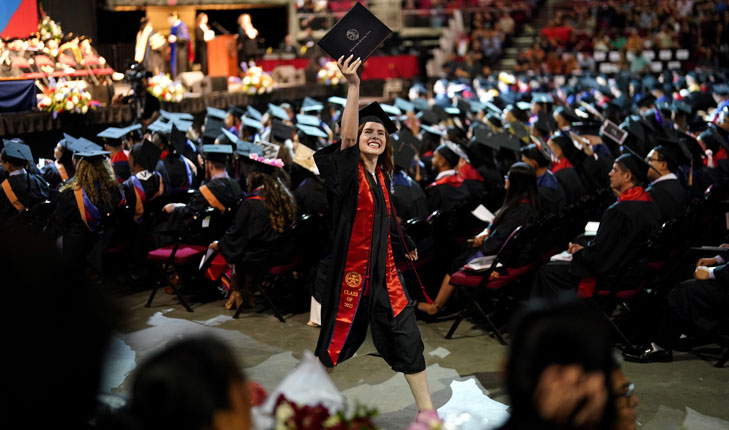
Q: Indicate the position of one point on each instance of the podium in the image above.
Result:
(223, 56)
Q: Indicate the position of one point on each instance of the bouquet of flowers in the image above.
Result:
(329, 74)
(66, 96)
(48, 29)
(293, 416)
(165, 89)
(256, 81)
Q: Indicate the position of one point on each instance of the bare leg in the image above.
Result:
(419, 387)
(444, 293)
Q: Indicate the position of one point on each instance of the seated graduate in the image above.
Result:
(178, 172)
(551, 195)
(219, 191)
(619, 247)
(444, 193)
(520, 207)
(144, 185)
(62, 168)
(259, 237)
(86, 204)
(233, 119)
(564, 170)
(21, 190)
(115, 141)
(407, 196)
(669, 194)
(694, 307)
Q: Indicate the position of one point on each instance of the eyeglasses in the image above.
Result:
(626, 390)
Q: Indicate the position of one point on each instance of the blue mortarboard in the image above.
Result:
(17, 151)
(432, 130)
(721, 89)
(160, 126)
(218, 153)
(450, 110)
(311, 105)
(182, 121)
(67, 141)
(542, 98)
(309, 120)
(241, 146)
(404, 105)
(252, 123)
(311, 131)
(216, 113)
(178, 115)
(278, 112)
(391, 110)
(254, 113)
(84, 148)
(117, 134)
(420, 104)
(337, 100)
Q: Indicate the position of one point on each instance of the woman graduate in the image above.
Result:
(364, 286)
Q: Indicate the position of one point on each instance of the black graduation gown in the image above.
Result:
(201, 50)
(52, 176)
(251, 243)
(225, 189)
(551, 195)
(408, 198)
(571, 184)
(30, 191)
(671, 198)
(311, 198)
(174, 173)
(150, 184)
(445, 197)
(396, 338)
(142, 228)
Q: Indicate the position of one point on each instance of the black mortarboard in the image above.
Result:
(634, 126)
(404, 105)
(281, 131)
(506, 141)
(407, 136)
(637, 166)
(645, 100)
(712, 139)
(440, 111)
(178, 140)
(539, 153)
(690, 144)
(403, 153)
(447, 153)
(213, 123)
(146, 155)
(494, 119)
(235, 111)
(428, 117)
(484, 136)
(373, 112)
(664, 106)
(518, 111)
(17, 153)
(567, 113)
(681, 107)
(253, 113)
(358, 33)
(673, 152)
(217, 153)
(544, 124)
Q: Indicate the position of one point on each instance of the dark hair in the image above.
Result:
(557, 332)
(66, 160)
(569, 150)
(182, 386)
(522, 185)
(385, 160)
(532, 152)
(279, 201)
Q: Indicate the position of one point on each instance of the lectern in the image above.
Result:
(223, 56)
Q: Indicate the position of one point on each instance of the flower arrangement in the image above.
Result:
(292, 416)
(329, 74)
(275, 162)
(66, 96)
(48, 29)
(256, 81)
(165, 89)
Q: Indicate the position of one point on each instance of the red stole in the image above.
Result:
(467, 172)
(355, 282)
(452, 180)
(563, 163)
(635, 194)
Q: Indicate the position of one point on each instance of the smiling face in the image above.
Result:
(372, 139)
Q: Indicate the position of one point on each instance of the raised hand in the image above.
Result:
(349, 67)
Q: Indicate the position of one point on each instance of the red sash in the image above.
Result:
(561, 164)
(452, 180)
(635, 194)
(355, 282)
(61, 171)
(468, 172)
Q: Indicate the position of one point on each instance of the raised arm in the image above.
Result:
(350, 116)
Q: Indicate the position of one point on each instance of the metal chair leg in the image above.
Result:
(724, 358)
(456, 323)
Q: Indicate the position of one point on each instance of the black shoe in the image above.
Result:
(648, 355)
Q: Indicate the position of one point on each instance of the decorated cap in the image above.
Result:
(265, 165)
(146, 155)
(373, 112)
(304, 157)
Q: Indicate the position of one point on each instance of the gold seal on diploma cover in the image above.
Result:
(353, 279)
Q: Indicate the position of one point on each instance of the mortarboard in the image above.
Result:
(341, 101)
(213, 123)
(311, 105)
(448, 154)
(114, 134)
(407, 136)
(374, 112)
(217, 153)
(634, 125)
(235, 111)
(84, 148)
(428, 117)
(178, 115)
(310, 120)
(483, 136)
(241, 146)
(253, 113)
(463, 105)
(67, 141)
(252, 123)
(420, 104)
(390, 109)
(493, 108)
(178, 140)
(440, 111)
(645, 100)
(16, 152)
(182, 121)
(538, 152)
(404, 105)
(679, 106)
(506, 141)
(721, 89)
(637, 165)
(358, 33)
(403, 153)
(432, 130)
(160, 126)
(494, 119)
(215, 113)
(281, 131)
(146, 155)
(456, 148)
(567, 113)
(451, 110)
(544, 124)
(304, 157)
(519, 111)
(312, 131)
(278, 112)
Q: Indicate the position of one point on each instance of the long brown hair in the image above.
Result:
(385, 160)
(95, 176)
(279, 200)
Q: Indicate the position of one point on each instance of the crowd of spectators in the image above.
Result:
(580, 28)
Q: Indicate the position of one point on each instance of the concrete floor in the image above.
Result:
(464, 373)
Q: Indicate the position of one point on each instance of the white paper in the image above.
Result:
(483, 214)
(469, 408)
(591, 228)
(207, 255)
(562, 256)
(481, 263)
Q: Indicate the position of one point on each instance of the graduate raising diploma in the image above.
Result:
(364, 287)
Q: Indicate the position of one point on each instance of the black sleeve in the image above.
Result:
(721, 273)
(338, 167)
(182, 215)
(501, 231)
(233, 244)
(396, 240)
(433, 194)
(604, 252)
(64, 215)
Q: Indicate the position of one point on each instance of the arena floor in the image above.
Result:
(464, 373)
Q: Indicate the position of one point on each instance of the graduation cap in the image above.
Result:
(304, 157)
(278, 112)
(67, 141)
(113, 136)
(281, 131)
(420, 104)
(494, 119)
(404, 105)
(216, 113)
(217, 153)
(645, 100)
(440, 111)
(341, 101)
(456, 148)
(544, 124)
(506, 141)
(241, 146)
(160, 126)
(476, 106)
(664, 106)
(712, 139)
(253, 113)
(373, 112)
(235, 111)
(493, 108)
(432, 130)
(679, 106)
(634, 126)
(252, 123)
(453, 111)
(177, 140)
(448, 154)
(214, 120)
(428, 117)
(721, 89)
(483, 136)
(520, 110)
(358, 33)
(310, 120)
(538, 152)
(311, 105)
(84, 148)
(391, 110)
(16, 152)
(689, 144)
(542, 98)
(407, 136)
(312, 131)
(636, 164)
(567, 113)
(403, 153)
(146, 154)
(176, 115)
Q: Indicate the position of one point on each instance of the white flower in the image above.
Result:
(284, 411)
(247, 80)
(69, 105)
(84, 109)
(168, 97)
(256, 80)
(74, 99)
(157, 91)
(178, 98)
(58, 96)
(251, 90)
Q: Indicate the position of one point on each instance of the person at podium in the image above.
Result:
(203, 34)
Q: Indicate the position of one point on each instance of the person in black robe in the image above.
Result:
(364, 287)
(617, 252)
(671, 197)
(62, 169)
(21, 190)
(202, 35)
(563, 170)
(444, 194)
(260, 235)
(178, 172)
(520, 207)
(219, 191)
(693, 307)
(551, 195)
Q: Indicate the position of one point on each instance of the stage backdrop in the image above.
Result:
(18, 18)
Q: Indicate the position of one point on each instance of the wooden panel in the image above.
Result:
(223, 56)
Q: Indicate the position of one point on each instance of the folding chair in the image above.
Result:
(473, 284)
